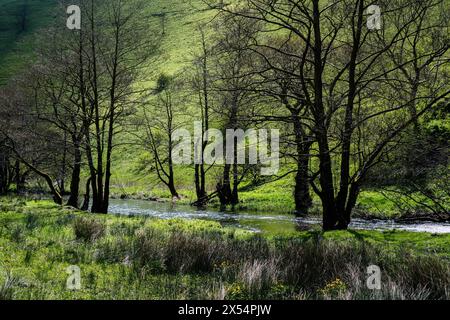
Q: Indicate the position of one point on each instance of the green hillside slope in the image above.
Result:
(19, 21)
(178, 21)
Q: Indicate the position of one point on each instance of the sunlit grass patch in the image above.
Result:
(144, 258)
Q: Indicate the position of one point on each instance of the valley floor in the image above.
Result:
(142, 258)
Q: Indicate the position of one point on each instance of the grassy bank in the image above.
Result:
(139, 258)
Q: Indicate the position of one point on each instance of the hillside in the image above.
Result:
(19, 20)
(178, 20)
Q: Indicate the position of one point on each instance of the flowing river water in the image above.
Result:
(258, 221)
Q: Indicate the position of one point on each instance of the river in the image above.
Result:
(258, 221)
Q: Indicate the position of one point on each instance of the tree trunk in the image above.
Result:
(75, 180)
(62, 178)
(200, 187)
(5, 173)
(326, 173)
(97, 181)
(85, 205)
(197, 182)
(352, 198)
(202, 196)
(342, 197)
(225, 187)
(302, 196)
(235, 195)
(172, 189)
(17, 177)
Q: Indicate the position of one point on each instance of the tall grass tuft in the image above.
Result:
(7, 285)
(312, 268)
(88, 229)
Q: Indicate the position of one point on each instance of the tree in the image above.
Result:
(29, 141)
(232, 87)
(279, 80)
(348, 64)
(160, 124)
(202, 86)
(114, 48)
(55, 84)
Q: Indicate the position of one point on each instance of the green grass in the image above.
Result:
(37, 244)
(143, 258)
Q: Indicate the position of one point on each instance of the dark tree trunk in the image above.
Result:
(352, 198)
(5, 172)
(343, 194)
(302, 196)
(230, 196)
(235, 195)
(200, 172)
(85, 205)
(224, 188)
(171, 177)
(172, 189)
(325, 168)
(92, 180)
(203, 194)
(62, 178)
(200, 187)
(97, 178)
(197, 181)
(18, 178)
(75, 180)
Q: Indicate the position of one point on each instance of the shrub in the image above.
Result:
(88, 229)
(148, 250)
(192, 253)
